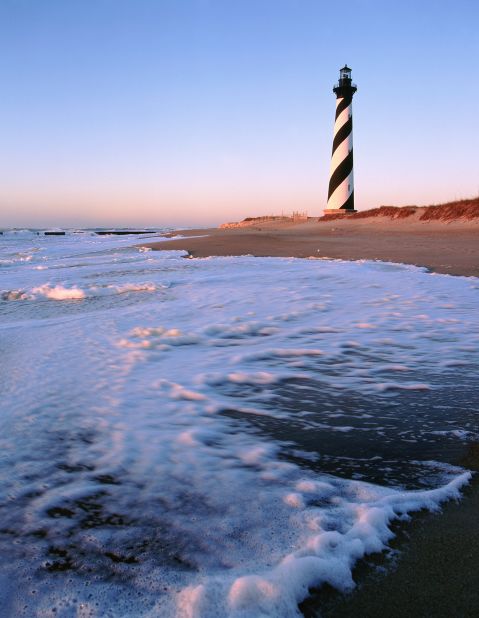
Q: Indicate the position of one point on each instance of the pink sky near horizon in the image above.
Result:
(78, 208)
(197, 113)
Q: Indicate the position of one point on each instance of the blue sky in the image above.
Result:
(203, 111)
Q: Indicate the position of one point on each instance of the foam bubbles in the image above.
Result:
(181, 437)
(59, 292)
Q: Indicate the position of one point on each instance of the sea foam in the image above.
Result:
(215, 437)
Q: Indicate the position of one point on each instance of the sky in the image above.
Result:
(197, 112)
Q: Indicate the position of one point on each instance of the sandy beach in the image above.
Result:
(444, 247)
(239, 326)
(334, 396)
(435, 572)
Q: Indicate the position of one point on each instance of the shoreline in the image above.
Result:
(446, 248)
(433, 569)
(425, 576)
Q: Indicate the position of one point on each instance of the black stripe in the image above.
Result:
(340, 173)
(343, 105)
(343, 133)
(349, 203)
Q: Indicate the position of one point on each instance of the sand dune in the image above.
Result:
(451, 212)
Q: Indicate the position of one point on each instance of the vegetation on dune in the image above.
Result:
(394, 212)
(463, 209)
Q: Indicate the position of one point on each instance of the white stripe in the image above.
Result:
(342, 118)
(341, 152)
(342, 193)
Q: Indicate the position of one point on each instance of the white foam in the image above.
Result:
(325, 556)
(133, 407)
(58, 292)
(73, 292)
(405, 386)
(133, 287)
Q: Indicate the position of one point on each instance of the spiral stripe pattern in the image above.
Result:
(341, 185)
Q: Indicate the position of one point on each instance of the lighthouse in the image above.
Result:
(341, 183)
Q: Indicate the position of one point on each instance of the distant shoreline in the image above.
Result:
(447, 247)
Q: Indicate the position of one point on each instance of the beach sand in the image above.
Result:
(450, 248)
(437, 571)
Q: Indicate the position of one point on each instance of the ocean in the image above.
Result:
(215, 437)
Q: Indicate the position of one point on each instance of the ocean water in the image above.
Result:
(214, 437)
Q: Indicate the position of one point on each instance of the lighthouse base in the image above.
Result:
(338, 211)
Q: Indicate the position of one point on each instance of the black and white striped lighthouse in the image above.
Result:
(341, 183)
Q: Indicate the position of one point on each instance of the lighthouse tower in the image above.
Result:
(341, 184)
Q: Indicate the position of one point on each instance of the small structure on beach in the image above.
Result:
(341, 183)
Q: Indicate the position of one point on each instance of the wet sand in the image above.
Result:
(436, 572)
(450, 248)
